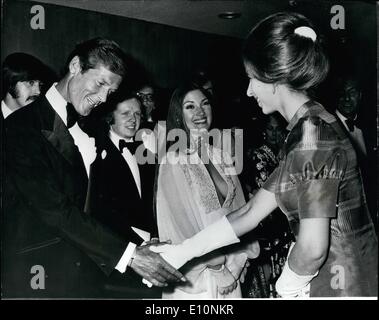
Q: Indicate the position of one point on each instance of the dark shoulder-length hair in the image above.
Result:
(18, 67)
(175, 111)
(175, 118)
(278, 54)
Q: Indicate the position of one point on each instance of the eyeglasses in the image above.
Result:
(146, 97)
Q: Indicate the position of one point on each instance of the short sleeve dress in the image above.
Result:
(318, 177)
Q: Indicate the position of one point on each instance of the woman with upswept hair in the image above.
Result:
(317, 183)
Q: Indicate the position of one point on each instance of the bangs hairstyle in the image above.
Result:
(19, 67)
(279, 55)
(99, 51)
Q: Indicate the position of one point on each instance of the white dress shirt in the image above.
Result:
(85, 144)
(129, 158)
(356, 135)
(5, 109)
(132, 163)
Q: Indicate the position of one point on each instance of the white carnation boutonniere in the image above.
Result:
(103, 154)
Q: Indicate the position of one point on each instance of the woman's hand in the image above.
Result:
(225, 281)
(244, 271)
(229, 289)
(237, 260)
(236, 263)
(252, 249)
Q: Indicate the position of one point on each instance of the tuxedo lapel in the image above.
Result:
(115, 198)
(118, 161)
(56, 132)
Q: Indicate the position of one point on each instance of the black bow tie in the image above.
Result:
(72, 115)
(351, 124)
(131, 146)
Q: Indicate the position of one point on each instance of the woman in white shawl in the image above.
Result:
(196, 186)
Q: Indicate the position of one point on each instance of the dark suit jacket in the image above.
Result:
(115, 201)
(367, 164)
(43, 212)
(149, 125)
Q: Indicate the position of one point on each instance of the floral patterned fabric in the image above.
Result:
(273, 232)
(264, 161)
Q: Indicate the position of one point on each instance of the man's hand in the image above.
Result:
(152, 267)
(154, 241)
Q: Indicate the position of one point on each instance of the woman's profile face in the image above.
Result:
(197, 111)
(262, 92)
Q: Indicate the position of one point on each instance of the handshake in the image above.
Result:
(172, 257)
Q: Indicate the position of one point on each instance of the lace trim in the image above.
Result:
(202, 185)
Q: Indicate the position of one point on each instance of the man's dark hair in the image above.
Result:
(97, 51)
(18, 67)
(200, 77)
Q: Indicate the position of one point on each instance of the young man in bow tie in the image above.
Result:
(121, 189)
(51, 248)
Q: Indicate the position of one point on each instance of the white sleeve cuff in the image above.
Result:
(128, 253)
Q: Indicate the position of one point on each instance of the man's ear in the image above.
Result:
(74, 66)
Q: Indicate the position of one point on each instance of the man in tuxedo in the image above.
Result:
(349, 99)
(21, 81)
(121, 187)
(147, 96)
(50, 247)
(348, 112)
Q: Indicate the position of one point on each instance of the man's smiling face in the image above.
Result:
(89, 89)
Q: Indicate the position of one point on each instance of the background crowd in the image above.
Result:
(78, 200)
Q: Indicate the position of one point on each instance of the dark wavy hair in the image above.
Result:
(99, 51)
(175, 121)
(175, 110)
(279, 55)
(18, 67)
